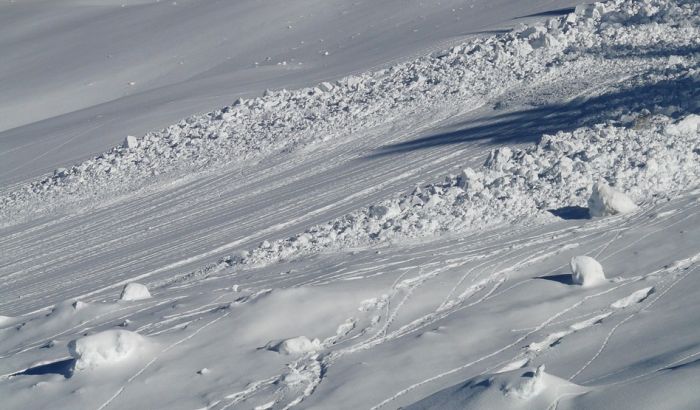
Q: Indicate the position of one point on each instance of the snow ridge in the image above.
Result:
(559, 172)
(287, 120)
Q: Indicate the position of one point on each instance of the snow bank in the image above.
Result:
(134, 291)
(480, 69)
(296, 346)
(106, 348)
(605, 201)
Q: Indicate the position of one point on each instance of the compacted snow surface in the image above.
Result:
(505, 221)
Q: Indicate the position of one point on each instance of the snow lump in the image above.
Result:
(134, 291)
(586, 271)
(606, 201)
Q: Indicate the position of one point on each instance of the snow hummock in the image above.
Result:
(528, 388)
(586, 271)
(296, 346)
(106, 348)
(134, 291)
(606, 201)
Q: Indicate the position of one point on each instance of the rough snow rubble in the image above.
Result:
(285, 120)
(560, 171)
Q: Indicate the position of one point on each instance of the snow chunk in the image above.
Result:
(687, 126)
(134, 291)
(605, 201)
(296, 346)
(105, 348)
(130, 142)
(586, 271)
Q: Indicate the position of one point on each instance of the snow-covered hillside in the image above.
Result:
(77, 76)
(509, 220)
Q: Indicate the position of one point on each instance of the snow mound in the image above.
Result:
(480, 69)
(606, 201)
(295, 346)
(517, 389)
(106, 348)
(689, 125)
(586, 271)
(134, 291)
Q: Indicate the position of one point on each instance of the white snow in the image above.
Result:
(606, 201)
(296, 345)
(105, 349)
(389, 215)
(134, 291)
(586, 271)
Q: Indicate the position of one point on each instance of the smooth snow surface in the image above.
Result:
(401, 226)
(105, 348)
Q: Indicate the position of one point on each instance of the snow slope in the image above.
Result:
(399, 238)
(78, 76)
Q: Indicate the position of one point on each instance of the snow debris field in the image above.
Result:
(446, 215)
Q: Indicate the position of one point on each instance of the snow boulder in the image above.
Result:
(134, 291)
(605, 201)
(106, 348)
(586, 271)
(295, 346)
(130, 142)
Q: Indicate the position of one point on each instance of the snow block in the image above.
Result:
(105, 348)
(586, 271)
(130, 142)
(134, 291)
(687, 126)
(605, 201)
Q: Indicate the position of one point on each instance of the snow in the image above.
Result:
(134, 291)
(606, 201)
(296, 345)
(105, 349)
(586, 271)
(397, 222)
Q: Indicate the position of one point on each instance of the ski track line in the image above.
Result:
(153, 360)
(494, 353)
